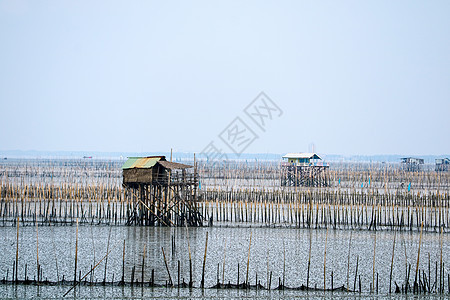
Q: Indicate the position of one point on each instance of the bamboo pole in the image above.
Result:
(37, 252)
(325, 261)
(418, 258)
(373, 264)
(190, 258)
(17, 251)
(204, 262)
(167, 267)
(392, 263)
(348, 257)
(76, 255)
(92, 269)
(223, 265)
(143, 267)
(248, 258)
(107, 249)
(123, 263)
(309, 259)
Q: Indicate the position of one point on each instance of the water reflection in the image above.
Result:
(280, 252)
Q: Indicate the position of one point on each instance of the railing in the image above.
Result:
(310, 164)
(176, 178)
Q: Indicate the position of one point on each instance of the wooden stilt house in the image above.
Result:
(442, 164)
(164, 193)
(303, 169)
(411, 164)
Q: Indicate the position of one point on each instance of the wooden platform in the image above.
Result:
(304, 175)
(163, 193)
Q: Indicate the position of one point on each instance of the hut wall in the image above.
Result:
(137, 176)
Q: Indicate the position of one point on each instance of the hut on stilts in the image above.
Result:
(442, 164)
(411, 164)
(164, 193)
(303, 169)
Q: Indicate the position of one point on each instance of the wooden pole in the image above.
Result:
(204, 262)
(248, 258)
(81, 279)
(106, 261)
(325, 261)
(167, 267)
(392, 263)
(356, 273)
(373, 264)
(418, 257)
(309, 259)
(37, 252)
(76, 255)
(143, 266)
(348, 257)
(17, 251)
(123, 263)
(190, 259)
(441, 267)
(223, 266)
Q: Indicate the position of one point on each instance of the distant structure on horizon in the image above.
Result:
(303, 169)
(411, 164)
(442, 164)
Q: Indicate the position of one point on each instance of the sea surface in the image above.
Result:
(264, 255)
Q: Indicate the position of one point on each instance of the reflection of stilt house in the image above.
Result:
(442, 164)
(411, 164)
(164, 193)
(303, 169)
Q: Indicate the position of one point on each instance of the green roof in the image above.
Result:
(141, 162)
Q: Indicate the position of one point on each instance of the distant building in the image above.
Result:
(302, 158)
(303, 169)
(411, 164)
(442, 164)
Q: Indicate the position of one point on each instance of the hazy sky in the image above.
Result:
(350, 77)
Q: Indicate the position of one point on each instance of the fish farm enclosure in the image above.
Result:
(72, 228)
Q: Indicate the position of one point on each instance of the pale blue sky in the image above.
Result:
(352, 77)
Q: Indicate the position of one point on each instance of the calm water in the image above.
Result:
(33, 292)
(280, 251)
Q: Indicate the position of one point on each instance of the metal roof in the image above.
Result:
(142, 162)
(412, 160)
(302, 155)
(173, 165)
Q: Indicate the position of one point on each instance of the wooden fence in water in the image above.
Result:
(360, 196)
